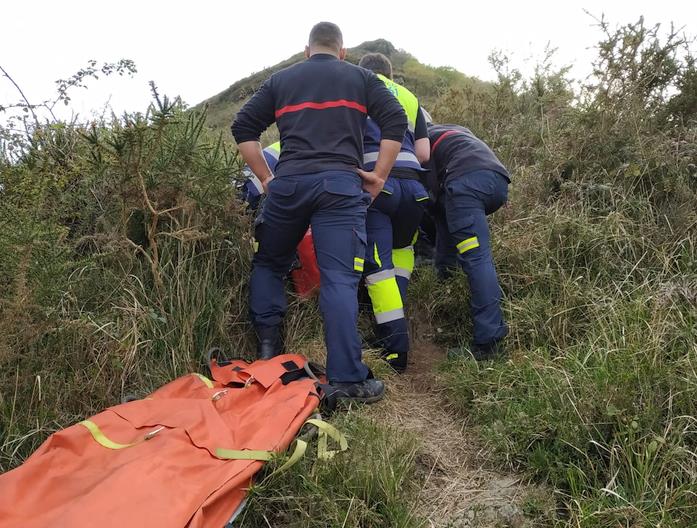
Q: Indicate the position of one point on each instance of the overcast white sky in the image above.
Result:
(198, 48)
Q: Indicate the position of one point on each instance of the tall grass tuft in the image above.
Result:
(374, 484)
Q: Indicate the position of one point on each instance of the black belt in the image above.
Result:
(404, 173)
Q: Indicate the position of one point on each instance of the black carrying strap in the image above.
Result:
(296, 372)
(217, 354)
(326, 393)
(328, 399)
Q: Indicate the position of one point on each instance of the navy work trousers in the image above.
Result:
(335, 205)
(393, 220)
(462, 236)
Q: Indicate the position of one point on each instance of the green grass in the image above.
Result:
(373, 484)
(597, 259)
(597, 398)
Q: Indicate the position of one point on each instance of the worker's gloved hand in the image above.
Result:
(372, 182)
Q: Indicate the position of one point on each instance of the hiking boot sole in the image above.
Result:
(366, 399)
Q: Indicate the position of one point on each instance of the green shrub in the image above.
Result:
(123, 257)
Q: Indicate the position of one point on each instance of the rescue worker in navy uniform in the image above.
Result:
(470, 183)
(320, 107)
(393, 219)
(251, 190)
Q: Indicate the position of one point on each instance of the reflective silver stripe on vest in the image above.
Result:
(402, 272)
(273, 153)
(371, 157)
(380, 276)
(257, 183)
(392, 315)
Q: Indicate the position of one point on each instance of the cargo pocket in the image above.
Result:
(360, 241)
(421, 197)
(343, 187)
(462, 229)
(388, 189)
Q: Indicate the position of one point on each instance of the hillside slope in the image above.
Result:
(125, 257)
(425, 81)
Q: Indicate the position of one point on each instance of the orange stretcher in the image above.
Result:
(183, 457)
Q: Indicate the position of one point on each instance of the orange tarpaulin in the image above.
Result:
(183, 457)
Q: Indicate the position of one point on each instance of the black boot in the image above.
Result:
(270, 344)
(366, 391)
(396, 360)
(487, 351)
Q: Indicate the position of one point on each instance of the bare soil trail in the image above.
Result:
(460, 487)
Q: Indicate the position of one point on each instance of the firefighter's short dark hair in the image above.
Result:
(326, 35)
(378, 63)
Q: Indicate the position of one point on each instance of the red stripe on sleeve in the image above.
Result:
(321, 106)
(442, 137)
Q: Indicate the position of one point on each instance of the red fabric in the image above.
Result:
(173, 479)
(442, 137)
(321, 106)
(306, 278)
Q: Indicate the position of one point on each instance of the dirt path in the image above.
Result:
(460, 490)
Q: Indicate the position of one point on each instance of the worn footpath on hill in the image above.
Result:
(461, 488)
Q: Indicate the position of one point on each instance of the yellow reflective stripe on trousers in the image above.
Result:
(358, 264)
(468, 244)
(403, 259)
(376, 256)
(379, 276)
(385, 298)
(402, 272)
(101, 438)
(392, 315)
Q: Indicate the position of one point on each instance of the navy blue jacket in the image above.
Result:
(455, 150)
(320, 107)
